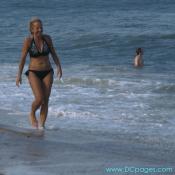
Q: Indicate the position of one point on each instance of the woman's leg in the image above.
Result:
(46, 85)
(36, 85)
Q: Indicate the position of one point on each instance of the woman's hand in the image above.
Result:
(18, 80)
(59, 72)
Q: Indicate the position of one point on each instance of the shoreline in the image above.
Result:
(76, 152)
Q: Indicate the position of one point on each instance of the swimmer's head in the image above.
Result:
(139, 51)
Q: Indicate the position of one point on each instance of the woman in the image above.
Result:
(138, 60)
(40, 72)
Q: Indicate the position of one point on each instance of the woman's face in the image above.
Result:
(37, 28)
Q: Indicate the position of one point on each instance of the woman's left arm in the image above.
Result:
(54, 56)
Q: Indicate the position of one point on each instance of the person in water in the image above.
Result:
(40, 72)
(138, 60)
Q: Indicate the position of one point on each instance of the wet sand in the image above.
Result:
(77, 152)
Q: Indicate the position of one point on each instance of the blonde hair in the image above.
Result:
(33, 20)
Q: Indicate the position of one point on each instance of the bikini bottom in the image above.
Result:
(40, 74)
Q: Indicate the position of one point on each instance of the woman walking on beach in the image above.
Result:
(138, 60)
(40, 72)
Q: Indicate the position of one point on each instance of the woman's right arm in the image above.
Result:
(22, 60)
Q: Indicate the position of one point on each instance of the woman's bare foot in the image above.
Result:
(41, 124)
(33, 121)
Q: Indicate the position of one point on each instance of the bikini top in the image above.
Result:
(35, 52)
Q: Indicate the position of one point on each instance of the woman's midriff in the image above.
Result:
(40, 63)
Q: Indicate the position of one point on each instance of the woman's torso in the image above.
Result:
(39, 57)
(138, 60)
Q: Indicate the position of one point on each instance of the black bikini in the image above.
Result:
(40, 73)
(34, 52)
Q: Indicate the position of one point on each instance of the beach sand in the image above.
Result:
(77, 152)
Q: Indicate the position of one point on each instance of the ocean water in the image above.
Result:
(96, 42)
